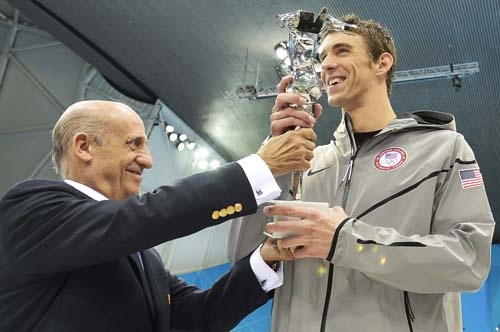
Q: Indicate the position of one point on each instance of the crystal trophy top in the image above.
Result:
(302, 44)
(305, 33)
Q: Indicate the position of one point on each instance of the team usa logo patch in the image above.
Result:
(470, 178)
(390, 159)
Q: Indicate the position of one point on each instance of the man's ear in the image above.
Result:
(384, 63)
(82, 145)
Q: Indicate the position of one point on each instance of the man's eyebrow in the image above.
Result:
(137, 138)
(335, 46)
(340, 45)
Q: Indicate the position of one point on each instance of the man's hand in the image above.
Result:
(285, 116)
(270, 251)
(313, 234)
(289, 152)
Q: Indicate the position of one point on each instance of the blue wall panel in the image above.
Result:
(480, 310)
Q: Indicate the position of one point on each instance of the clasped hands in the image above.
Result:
(289, 150)
(312, 234)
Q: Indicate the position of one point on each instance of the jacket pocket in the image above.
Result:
(162, 283)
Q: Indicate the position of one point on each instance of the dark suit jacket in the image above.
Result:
(69, 263)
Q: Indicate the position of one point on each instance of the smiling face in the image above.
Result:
(116, 166)
(347, 70)
(102, 145)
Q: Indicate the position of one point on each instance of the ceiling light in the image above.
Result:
(169, 128)
(281, 50)
(283, 68)
(203, 164)
(172, 137)
(201, 153)
(214, 164)
(180, 146)
(182, 137)
(191, 145)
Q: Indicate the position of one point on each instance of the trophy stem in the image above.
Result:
(308, 107)
(297, 185)
(297, 175)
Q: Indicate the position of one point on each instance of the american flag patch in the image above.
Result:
(470, 178)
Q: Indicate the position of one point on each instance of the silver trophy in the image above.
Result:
(304, 36)
(302, 44)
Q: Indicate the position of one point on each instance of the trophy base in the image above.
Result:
(318, 206)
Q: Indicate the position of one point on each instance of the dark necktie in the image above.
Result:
(140, 271)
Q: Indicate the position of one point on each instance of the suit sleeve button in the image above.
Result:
(238, 207)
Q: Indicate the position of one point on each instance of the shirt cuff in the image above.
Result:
(268, 279)
(261, 179)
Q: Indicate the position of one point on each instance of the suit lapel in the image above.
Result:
(159, 291)
(141, 274)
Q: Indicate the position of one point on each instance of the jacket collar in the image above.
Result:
(419, 119)
(86, 190)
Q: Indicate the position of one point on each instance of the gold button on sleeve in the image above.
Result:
(223, 213)
(238, 207)
(215, 215)
(230, 209)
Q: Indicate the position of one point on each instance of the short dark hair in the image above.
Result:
(378, 39)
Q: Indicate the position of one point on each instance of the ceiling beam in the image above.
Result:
(36, 46)
(405, 76)
(7, 47)
(30, 76)
(40, 165)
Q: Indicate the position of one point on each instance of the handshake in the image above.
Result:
(289, 152)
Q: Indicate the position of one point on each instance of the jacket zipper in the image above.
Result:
(347, 182)
(410, 317)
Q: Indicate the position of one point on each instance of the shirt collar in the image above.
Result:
(86, 190)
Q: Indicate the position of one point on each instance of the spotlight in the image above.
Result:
(281, 50)
(456, 82)
(169, 128)
(191, 145)
(180, 146)
(201, 153)
(203, 164)
(214, 164)
(182, 137)
(283, 68)
(172, 137)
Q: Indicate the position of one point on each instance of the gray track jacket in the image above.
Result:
(419, 232)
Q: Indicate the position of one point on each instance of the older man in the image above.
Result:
(74, 254)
